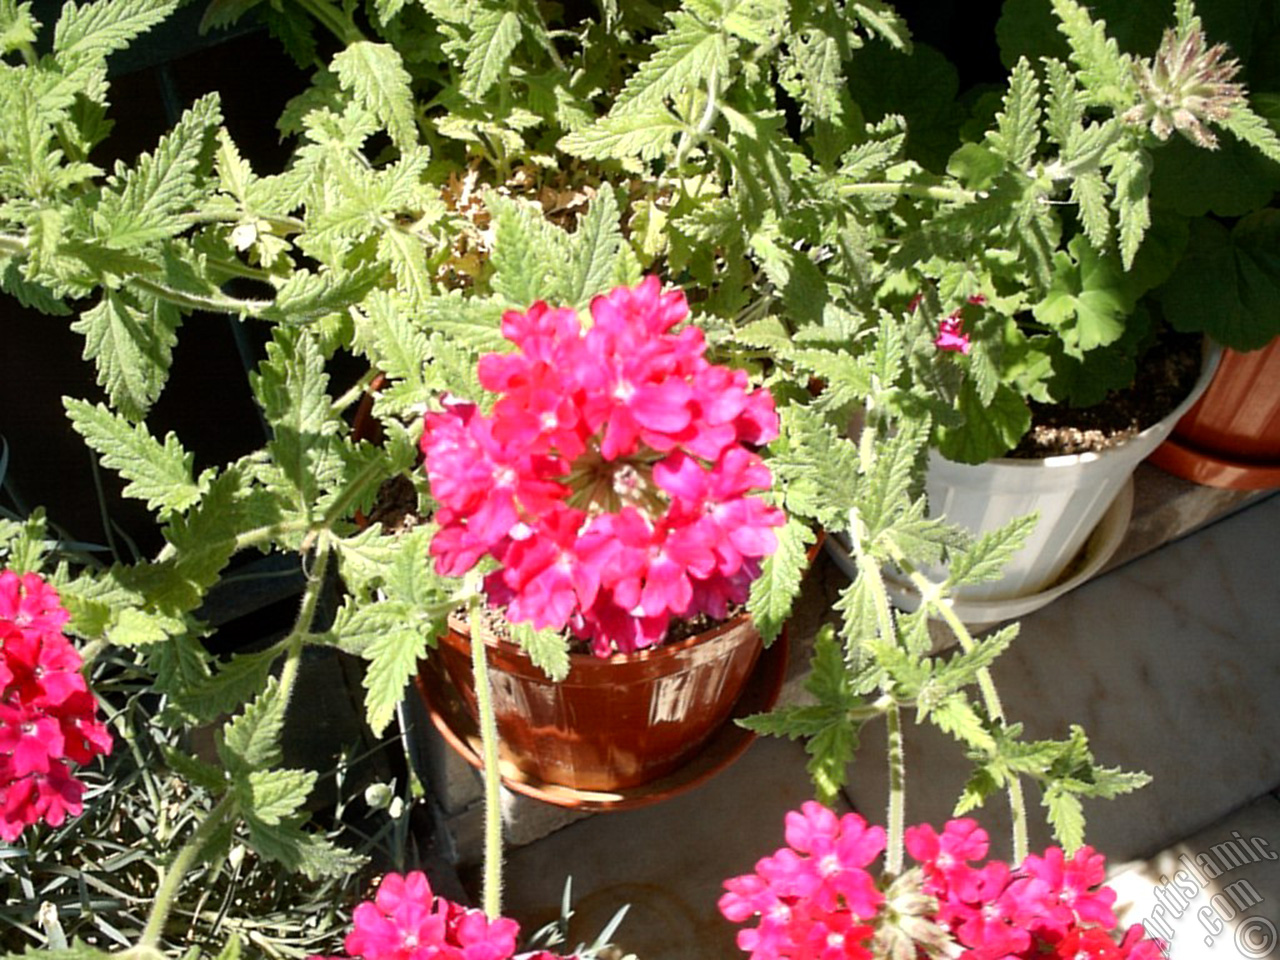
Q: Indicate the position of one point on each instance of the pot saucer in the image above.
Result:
(1092, 557)
(728, 743)
(1210, 469)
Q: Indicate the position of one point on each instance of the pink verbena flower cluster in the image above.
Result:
(48, 716)
(614, 480)
(406, 921)
(815, 899)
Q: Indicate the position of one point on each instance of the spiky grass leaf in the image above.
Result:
(159, 473)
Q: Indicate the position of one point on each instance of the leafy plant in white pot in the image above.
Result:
(1015, 286)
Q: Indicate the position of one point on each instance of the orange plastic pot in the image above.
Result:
(613, 723)
(1231, 437)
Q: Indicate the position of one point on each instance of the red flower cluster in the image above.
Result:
(612, 481)
(406, 921)
(815, 899)
(47, 714)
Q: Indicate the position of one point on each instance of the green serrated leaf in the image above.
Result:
(273, 796)
(393, 660)
(375, 74)
(529, 254)
(290, 384)
(86, 34)
(132, 346)
(1017, 134)
(596, 245)
(314, 857)
(774, 592)
(234, 683)
(985, 558)
(547, 649)
(148, 202)
(160, 474)
(1066, 816)
(687, 54)
(646, 134)
(495, 36)
(251, 741)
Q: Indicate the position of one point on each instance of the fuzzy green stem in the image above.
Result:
(178, 869)
(931, 596)
(341, 27)
(897, 815)
(492, 888)
(920, 190)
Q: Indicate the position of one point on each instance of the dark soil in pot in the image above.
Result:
(1166, 375)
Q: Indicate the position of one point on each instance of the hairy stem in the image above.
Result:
(491, 897)
(182, 864)
(931, 595)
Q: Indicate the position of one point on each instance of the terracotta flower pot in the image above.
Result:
(613, 723)
(1231, 437)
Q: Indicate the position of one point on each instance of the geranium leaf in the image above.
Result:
(1228, 282)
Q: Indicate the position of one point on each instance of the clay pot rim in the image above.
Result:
(658, 651)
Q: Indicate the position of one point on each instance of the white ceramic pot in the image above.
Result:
(1070, 493)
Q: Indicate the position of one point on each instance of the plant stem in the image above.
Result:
(921, 190)
(492, 890)
(931, 595)
(178, 869)
(896, 817)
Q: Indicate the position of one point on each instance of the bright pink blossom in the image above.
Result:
(614, 480)
(951, 335)
(48, 716)
(814, 898)
(407, 921)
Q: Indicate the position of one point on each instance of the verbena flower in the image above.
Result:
(48, 716)
(814, 898)
(407, 921)
(615, 480)
(951, 335)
